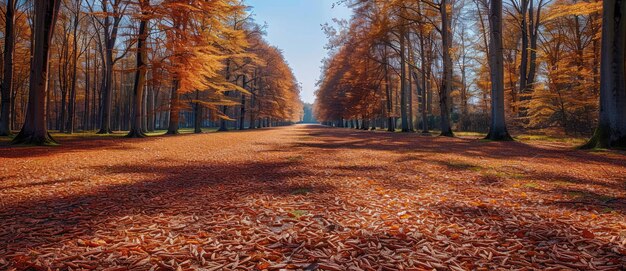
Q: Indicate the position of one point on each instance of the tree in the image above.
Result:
(497, 130)
(7, 80)
(34, 130)
(611, 130)
(446, 81)
(530, 23)
(140, 74)
(74, 60)
(108, 20)
(568, 51)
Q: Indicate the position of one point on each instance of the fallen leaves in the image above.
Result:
(240, 201)
(588, 234)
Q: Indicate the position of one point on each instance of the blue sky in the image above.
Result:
(294, 27)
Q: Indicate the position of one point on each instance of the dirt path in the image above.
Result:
(310, 197)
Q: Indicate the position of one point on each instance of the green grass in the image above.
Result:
(522, 137)
(298, 213)
(470, 134)
(548, 138)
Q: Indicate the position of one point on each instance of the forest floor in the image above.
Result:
(309, 197)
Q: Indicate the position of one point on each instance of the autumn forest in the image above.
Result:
(195, 135)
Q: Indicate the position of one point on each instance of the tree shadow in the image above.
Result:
(537, 241)
(70, 146)
(41, 183)
(332, 138)
(87, 143)
(188, 189)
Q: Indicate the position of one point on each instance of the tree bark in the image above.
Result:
(197, 113)
(410, 84)
(136, 127)
(242, 112)
(110, 39)
(223, 123)
(523, 68)
(150, 110)
(446, 87)
(174, 109)
(497, 130)
(424, 80)
(72, 102)
(390, 121)
(86, 115)
(611, 130)
(403, 87)
(34, 130)
(7, 81)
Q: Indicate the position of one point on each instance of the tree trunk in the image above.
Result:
(106, 99)
(223, 123)
(136, 127)
(7, 81)
(390, 121)
(86, 116)
(110, 39)
(62, 116)
(242, 113)
(523, 68)
(403, 87)
(174, 109)
(497, 130)
(34, 130)
(611, 130)
(72, 102)
(410, 82)
(150, 110)
(197, 113)
(424, 80)
(446, 87)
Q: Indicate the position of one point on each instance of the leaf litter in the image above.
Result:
(359, 201)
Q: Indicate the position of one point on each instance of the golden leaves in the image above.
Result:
(573, 9)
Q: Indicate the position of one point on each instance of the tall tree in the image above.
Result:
(7, 80)
(403, 74)
(34, 130)
(71, 110)
(497, 130)
(529, 23)
(611, 130)
(447, 80)
(113, 12)
(140, 74)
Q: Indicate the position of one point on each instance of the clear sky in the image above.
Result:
(295, 27)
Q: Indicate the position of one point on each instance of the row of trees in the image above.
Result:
(471, 65)
(139, 66)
